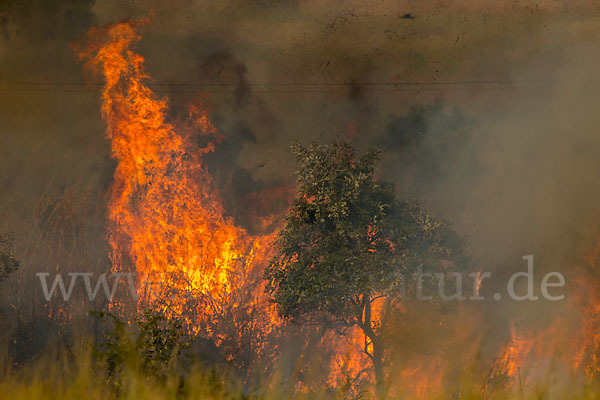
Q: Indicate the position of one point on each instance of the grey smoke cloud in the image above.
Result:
(508, 153)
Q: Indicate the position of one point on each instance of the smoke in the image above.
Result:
(284, 71)
(486, 111)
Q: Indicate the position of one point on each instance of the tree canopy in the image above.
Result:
(348, 235)
(349, 240)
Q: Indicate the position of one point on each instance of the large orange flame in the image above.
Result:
(166, 221)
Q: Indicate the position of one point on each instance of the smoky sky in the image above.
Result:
(485, 111)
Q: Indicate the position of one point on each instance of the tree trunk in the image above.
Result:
(378, 367)
(377, 353)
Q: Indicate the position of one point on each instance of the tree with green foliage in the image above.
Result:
(348, 242)
(8, 262)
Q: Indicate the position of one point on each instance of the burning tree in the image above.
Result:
(350, 246)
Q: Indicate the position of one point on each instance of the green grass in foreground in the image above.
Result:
(81, 377)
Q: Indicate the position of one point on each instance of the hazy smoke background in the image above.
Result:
(486, 110)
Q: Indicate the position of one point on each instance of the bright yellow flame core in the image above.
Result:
(165, 218)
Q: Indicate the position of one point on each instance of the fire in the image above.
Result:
(586, 343)
(586, 299)
(478, 283)
(424, 378)
(348, 364)
(515, 353)
(166, 220)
